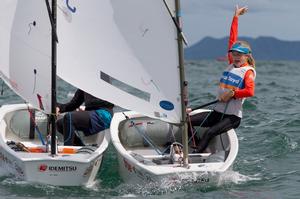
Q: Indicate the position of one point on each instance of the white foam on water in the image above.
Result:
(234, 177)
(129, 196)
(70, 95)
(293, 145)
(94, 186)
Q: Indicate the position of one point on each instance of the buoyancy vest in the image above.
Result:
(232, 79)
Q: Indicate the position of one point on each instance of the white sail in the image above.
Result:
(122, 51)
(25, 38)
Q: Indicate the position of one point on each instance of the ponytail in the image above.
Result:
(251, 60)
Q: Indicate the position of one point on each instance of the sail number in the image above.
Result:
(71, 8)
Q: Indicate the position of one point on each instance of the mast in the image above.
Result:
(53, 78)
(183, 84)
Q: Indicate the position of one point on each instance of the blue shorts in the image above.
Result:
(100, 120)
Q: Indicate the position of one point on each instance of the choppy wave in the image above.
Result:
(268, 161)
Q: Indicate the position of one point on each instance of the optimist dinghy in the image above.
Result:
(152, 140)
(29, 53)
(150, 150)
(25, 150)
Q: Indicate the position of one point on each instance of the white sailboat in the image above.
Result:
(28, 66)
(149, 138)
(131, 59)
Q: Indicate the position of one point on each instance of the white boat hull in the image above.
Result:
(135, 174)
(67, 168)
(143, 164)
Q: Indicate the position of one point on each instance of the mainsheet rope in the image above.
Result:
(35, 125)
(195, 131)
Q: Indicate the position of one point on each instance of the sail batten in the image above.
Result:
(125, 87)
(137, 48)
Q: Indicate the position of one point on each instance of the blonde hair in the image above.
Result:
(250, 60)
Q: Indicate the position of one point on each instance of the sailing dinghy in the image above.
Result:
(28, 59)
(24, 155)
(151, 141)
(147, 152)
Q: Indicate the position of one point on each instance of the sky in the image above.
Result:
(276, 18)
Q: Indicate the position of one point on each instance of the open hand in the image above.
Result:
(188, 110)
(226, 96)
(240, 11)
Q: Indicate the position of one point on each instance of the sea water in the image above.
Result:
(268, 162)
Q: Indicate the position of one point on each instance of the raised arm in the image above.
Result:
(233, 37)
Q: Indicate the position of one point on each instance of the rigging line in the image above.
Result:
(51, 20)
(192, 130)
(204, 105)
(174, 138)
(2, 87)
(35, 125)
(193, 133)
(144, 135)
(179, 29)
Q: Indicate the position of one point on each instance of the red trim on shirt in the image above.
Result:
(233, 36)
(249, 89)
